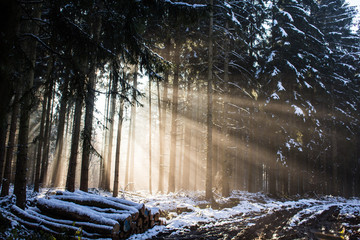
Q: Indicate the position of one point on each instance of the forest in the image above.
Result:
(165, 95)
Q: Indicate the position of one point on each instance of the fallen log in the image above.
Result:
(72, 211)
(103, 230)
(90, 212)
(134, 216)
(58, 229)
(90, 200)
(138, 206)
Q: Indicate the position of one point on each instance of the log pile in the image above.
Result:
(87, 215)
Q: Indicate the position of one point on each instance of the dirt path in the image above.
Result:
(273, 225)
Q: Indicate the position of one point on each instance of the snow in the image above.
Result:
(80, 210)
(271, 57)
(246, 207)
(275, 71)
(148, 234)
(275, 96)
(250, 206)
(293, 68)
(312, 109)
(280, 87)
(287, 15)
(292, 142)
(298, 111)
(283, 32)
(90, 198)
(234, 19)
(185, 4)
(307, 85)
(297, 30)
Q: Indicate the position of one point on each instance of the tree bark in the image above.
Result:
(174, 112)
(187, 139)
(89, 102)
(161, 147)
(29, 48)
(3, 134)
(225, 156)
(107, 161)
(105, 138)
(10, 147)
(70, 180)
(129, 178)
(127, 166)
(118, 142)
(208, 187)
(57, 168)
(40, 146)
(150, 188)
(46, 143)
(162, 119)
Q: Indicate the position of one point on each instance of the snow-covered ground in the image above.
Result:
(248, 205)
(185, 209)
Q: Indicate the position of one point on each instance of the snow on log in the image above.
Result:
(76, 212)
(35, 222)
(103, 230)
(95, 201)
(95, 215)
(139, 206)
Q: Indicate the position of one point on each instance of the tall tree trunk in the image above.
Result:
(271, 159)
(70, 180)
(150, 188)
(102, 174)
(162, 119)
(46, 143)
(187, 139)
(40, 145)
(197, 135)
(29, 49)
(208, 187)
(10, 147)
(130, 166)
(107, 160)
(334, 150)
(127, 166)
(89, 102)
(171, 186)
(3, 134)
(224, 153)
(57, 168)
(118, 141)
(161, 142)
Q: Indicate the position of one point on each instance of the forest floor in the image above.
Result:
(242, 216)
(254, 216)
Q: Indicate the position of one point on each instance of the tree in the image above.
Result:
(10, 147)
(118, 138)
(29, 48)
(174, 116)
(208, 193)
